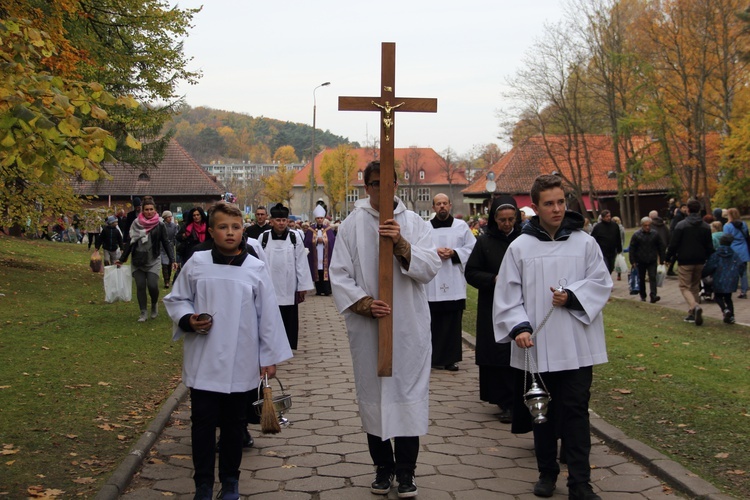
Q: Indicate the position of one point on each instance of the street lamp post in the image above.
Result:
(312, 151)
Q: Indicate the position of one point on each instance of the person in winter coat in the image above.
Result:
(646, 250)
(724, 266)
(659, 227)
(495, 373)
(691, 246)
(111, 240)
(737, 229)
(607, 235)
(172, 229)
(147, 234)
(194, 232)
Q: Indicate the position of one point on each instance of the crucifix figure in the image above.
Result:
(387, 178)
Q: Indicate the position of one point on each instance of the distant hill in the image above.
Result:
(212, 135)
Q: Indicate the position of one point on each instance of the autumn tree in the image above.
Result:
(450, 166)
(278, 186)
(285, 155)
(409, 173)
(43, 140)
(337, 170)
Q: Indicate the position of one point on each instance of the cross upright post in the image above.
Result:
(387, 104)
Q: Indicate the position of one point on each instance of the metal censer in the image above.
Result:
(537, 400)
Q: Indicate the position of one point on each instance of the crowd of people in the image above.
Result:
(235, 287)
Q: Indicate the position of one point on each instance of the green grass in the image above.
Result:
(80, 380)
(683, 391)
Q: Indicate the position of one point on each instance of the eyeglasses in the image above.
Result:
(376, 184)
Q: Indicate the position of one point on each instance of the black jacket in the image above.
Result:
(661, 229)
(646, 247)
(110, 238)
(691, 242)
(607, 234)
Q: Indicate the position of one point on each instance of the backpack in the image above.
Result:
(264, 239)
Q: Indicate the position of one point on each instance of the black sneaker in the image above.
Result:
(383, 480)
(727, 315)
(505, 417)
(689, 318)
(230, 490)
(698, 316)
(546, 485)
(407, 488)
(204, 492)
(582, 491)
(656, 299)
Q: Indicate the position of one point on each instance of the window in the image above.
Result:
(403, 193)
(423, 194)
(421, 174)
(425, 214)
(352, 195)
(406, 176)
(144, 177)
(359, 175)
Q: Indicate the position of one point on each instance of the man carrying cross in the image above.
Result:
(396, 406)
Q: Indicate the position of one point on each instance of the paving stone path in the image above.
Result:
(322, 455)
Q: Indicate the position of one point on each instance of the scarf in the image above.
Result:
(141, 227)
(199, 230)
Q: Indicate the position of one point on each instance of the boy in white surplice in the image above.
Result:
(227, 352)
(553, 251)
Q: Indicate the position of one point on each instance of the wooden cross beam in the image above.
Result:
(387, 104)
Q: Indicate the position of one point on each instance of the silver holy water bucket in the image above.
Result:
(537, 400)
(281, 403)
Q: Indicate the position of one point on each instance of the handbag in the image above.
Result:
(118, 283)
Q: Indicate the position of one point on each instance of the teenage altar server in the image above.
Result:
(447, 292)
(397, 406)
(285, 254)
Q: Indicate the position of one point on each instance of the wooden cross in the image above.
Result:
(387, 104)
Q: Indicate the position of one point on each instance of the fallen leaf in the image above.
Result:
(45, 348)
(167, 494)
(639, 368)
(690, 431)
(84, 480)
(656, 344)
(721, 455)
(105, 384)
(699, 367)
(182, 457)
(714, 356)
(288, 466)
(5, 387)
(623, 391)
(121, 437)
(681, 425)
(106, 427)
(736, 472)
(10, 462)
(71, 436)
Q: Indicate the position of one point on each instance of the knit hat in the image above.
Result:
(136, 202)
(166, 214)
(111, 219)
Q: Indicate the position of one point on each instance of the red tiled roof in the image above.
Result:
(176, 174)
(516, 171)
(429, 161)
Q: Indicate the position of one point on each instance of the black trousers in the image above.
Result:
(496, 385)
(290, 317)
(651, 270)
(322, 287)
(209, 411)
(404, 458)
(568, 419)
(724, 300)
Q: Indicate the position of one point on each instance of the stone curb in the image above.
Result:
(659, 464)
(121, 477)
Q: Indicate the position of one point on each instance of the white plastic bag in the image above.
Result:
(661, 274)
(118, 283)
(620, 265)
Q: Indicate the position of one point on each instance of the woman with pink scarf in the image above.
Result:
(147, 233)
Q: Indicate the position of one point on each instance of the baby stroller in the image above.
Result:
(706, 293)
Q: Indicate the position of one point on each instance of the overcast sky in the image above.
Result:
(264, 58)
